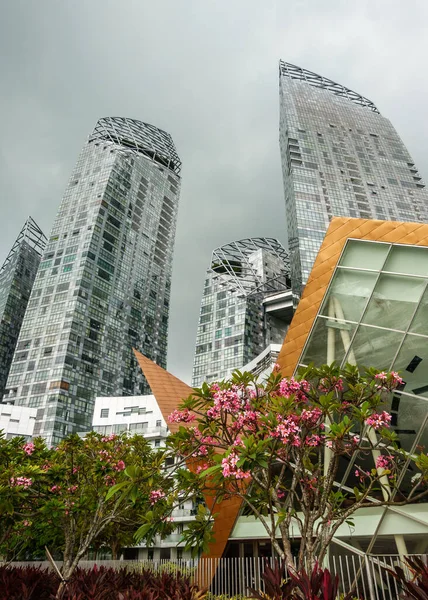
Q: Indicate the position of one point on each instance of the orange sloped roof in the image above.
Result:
(169, 391)
(340, 230)
(166, 388)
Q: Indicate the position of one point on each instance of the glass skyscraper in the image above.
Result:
(340, 157)
(234, 325)
(103, 286)
(16, 280)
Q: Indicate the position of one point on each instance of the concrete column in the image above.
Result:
(401, 546)
(331, 355)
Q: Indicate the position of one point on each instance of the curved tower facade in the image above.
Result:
(103, 286)
(340, 157)
(234, 325)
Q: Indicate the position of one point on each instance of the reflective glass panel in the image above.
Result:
(364, 458)
(394, 301)
(373, 347)
(328, 342)
(407, 259)
(420, 321)
(412, 363)
(364, 255)
(365, 461)
(408, 414)
(348, 294)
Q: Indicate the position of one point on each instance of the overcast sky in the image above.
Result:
(206, 71)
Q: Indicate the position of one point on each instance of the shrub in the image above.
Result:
(26, 583)
(318, 585)
(173, 568)
(416, 587)
(211, 596)
(99, 583)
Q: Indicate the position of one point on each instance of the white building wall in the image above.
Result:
(142, 415)
(135, 414)
(17, 420)
(263, 364)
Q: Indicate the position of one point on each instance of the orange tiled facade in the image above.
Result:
(340, 230)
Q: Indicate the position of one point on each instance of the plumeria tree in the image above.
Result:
(62, 497)
(303, 454)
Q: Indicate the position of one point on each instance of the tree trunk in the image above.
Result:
(115, 548)
(66, 572)
(68, 568)
(60, 591)
(286, 554)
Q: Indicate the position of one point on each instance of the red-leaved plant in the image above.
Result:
(276, 586)
(26, 583)
(415, 587)
(318, 585)
(99, 583)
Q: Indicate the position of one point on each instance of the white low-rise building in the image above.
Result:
(17, 420)
(134, 414)
(262, 365)
(142, 415)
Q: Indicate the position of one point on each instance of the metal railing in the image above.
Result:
(184, 512)
(364, 575)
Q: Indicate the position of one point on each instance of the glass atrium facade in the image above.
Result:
(234, 327)
(340, 157)
(17, 276)
(103, 286)
(375, 314)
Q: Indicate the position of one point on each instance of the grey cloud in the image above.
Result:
(207, 72)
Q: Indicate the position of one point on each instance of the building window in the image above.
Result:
(120, 427)
(104, 413)
(64, 385)
(158, 423)
(138, 426)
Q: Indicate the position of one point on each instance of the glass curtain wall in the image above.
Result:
(375, 314)
(17, 277)
(103, 285)
(233, 326)
(340, 157)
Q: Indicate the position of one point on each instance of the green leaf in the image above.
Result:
(113, 490)
(282, 515)
(131, 471)
(134, 493)
(209, 471)
(142, 532)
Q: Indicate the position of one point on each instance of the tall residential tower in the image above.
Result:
(17, 276)
(340, 157)
(103, 285)
(243, 308)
